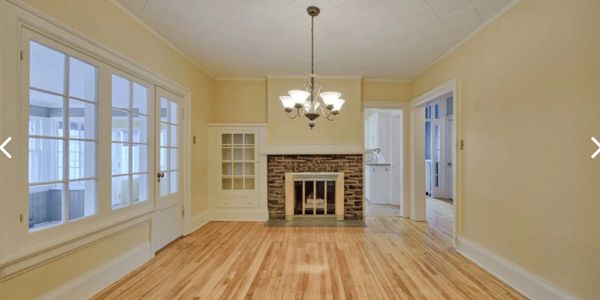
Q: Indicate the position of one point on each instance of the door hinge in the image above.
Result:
(183, 114)
(182, 212)
(21, 55)
(462, 144)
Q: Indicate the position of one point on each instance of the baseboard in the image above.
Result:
(200, 220)
(92, 282)
(225, 214)
(522, 280)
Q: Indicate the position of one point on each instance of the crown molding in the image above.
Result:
(240, 79)
(386, 80)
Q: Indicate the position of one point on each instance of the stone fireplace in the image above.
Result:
(349, 168)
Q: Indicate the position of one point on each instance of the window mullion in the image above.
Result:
(130, 139)
(66, 145)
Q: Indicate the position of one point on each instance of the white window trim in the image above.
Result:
(17, 255)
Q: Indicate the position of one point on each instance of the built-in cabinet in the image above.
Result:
(237, 167)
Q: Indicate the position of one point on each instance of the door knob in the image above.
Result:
(160, 175)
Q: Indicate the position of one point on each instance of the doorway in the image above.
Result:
(383, 167)
(434, 196)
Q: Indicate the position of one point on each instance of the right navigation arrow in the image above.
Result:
(597, 145)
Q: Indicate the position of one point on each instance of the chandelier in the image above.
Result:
(309, 101)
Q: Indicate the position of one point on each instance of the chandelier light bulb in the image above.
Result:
(299, 96)
(329, 98)
(337, 105)
(287, 102)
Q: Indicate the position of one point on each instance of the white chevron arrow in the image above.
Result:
(598, 145)
(4, 145)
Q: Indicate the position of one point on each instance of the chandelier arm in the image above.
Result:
(292, 116)
(330, 117)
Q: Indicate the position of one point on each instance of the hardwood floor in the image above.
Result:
(392, 258)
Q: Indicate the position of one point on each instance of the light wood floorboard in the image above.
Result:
(392, 258)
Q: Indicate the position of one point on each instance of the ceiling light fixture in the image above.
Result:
(306, 101)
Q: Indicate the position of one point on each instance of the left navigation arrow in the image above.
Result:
(4, 145)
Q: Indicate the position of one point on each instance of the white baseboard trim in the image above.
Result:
(522, 280)
(224, 214)
(92, 282)
(200, 220)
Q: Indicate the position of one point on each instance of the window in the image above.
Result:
(129, 136)
(62, 137)
(169, 149)
(237, 161)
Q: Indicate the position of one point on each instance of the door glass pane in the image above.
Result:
(120, 158)
(163, 134)
(82, 119)
(140, 158)
(140, 129)
(164, 110)
(45, 205)
(173, 136)
(82, 159)
(82, 199)
(45, 160)
(164, 185)
(82, 80)
(140, 188)
(174, 110)
(140, 99)
(120, 92)
(120, 190)
(120, 126)
(174, 165)
(45, 114)
(46, 68)
(174, 181)
(163, 159)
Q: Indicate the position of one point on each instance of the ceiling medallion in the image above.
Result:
(309, 101)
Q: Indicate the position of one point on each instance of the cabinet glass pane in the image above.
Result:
(120, 92)
(226, 183)
(227, 154)
(249, 139)
(120, 158)
(249, 154)
(249, 169)
(238, 169)
(45, 160)
(140, 188)
(82, 80)
(238, 154)
(45, 205)
(45, 114)
(238, 183)
(82, 159)
(82, 199)
(249, 185)
(46, 68)
(120, 126)
(226, 169)
(238, 139)
(82, 119)
(226, 139)
(120, 190)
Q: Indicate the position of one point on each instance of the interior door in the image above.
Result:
(437, 153)
(167, 224)
(449, 193)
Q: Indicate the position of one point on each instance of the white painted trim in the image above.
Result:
(239, 214)
(315, 149)
(241, 79)
(200, 220)
(160, 36)
(468, 37)
(187, 163)
(450, 86)
(527, 283)
(242, 125)
(94, 281)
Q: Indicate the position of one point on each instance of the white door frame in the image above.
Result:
(404, 107)
(418, 202)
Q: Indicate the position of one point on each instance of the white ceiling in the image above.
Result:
(370, 38)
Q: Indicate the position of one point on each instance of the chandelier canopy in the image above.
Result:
(309, 101)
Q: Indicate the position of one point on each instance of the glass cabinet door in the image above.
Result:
(238, 159)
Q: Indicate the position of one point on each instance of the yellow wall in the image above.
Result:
(386, 90)
(530, 101)
(107, 24)
(346, 130)
(240, 101)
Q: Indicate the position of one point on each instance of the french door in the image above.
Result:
(168, 221)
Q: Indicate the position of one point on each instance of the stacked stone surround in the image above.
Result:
(350, 164)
